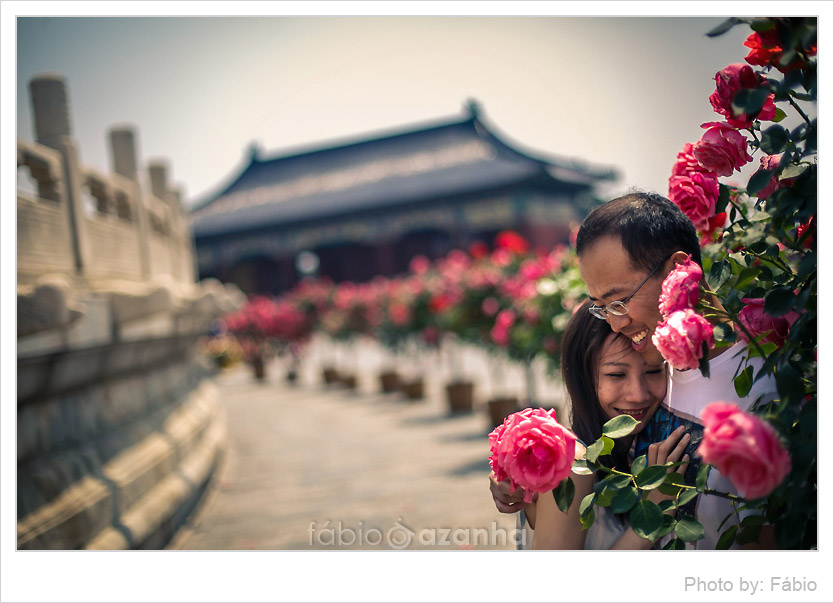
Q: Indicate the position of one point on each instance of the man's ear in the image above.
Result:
(678, 257)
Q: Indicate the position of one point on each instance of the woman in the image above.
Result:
(604, 377)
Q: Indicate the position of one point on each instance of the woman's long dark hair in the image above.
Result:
(581, 346)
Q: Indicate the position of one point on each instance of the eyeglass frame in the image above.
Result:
(604, 310)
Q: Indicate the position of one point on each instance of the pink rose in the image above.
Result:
(400, 314)
(743, 448)
(715, 224)
(696, 194)
(680, 337)
(728, 82)
(681, 287)
(721, 149)
(490, 306)
(759, 322)
(512, 241)
(419, 264)
(533, 450)
(500, 333)
(686, 164)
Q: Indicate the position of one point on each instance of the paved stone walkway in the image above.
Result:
(310, 466)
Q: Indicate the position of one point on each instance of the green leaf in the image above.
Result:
(617, 481)
(724, 27)
(686, 496)
(789, 383)
(676, 544)
(688, 529)
(779, 301)
(723, 198)
(750, 101)
(650, 477)
(638, 464)
(761, 25)
(758, 181)
(586, 510)
(580, 467)
(624, 499)
(587, 519)
(563, 493)
(778, 116)
(744, 382)
(723, 332)
(669, 489)
(665, 505)
(646, 518)
(703, 361)
(619, 426)
(587, 503)
(594, 450)
(719, 274)
(792, 171)
(701, 479)
(668, 526)
(604, 494)
(774, 140)
(753, 520)
(727, 539)
(747, 276)
(746, 535)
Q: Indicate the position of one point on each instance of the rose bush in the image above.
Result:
(761, 262)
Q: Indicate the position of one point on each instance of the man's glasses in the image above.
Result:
(618, 307)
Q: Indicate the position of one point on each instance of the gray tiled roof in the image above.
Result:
(430, 163)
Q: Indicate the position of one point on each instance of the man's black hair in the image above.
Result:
(649, 226)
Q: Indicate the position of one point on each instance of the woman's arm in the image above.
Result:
(555, 530)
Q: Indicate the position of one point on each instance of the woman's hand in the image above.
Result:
(506, 501)
(670, 449)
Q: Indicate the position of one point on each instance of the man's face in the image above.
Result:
(609, 276)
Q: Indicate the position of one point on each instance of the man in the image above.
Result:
(625, 249)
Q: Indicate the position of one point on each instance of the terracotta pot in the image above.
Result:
(330, 375)
(349, 381)
(500, 408)
(390, 381)
(459, 396)
(259, 368)
(414, 389)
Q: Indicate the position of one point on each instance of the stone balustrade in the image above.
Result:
(118, 424)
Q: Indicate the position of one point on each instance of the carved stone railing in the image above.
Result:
(118, 423)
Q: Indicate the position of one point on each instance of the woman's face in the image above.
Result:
(627, 383)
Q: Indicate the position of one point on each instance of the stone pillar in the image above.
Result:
(123, 153)
(124, 162)
(158, 173)
(50, 110)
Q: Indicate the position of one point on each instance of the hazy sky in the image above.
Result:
(626, 92)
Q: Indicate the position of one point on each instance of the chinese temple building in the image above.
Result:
(358, 210)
